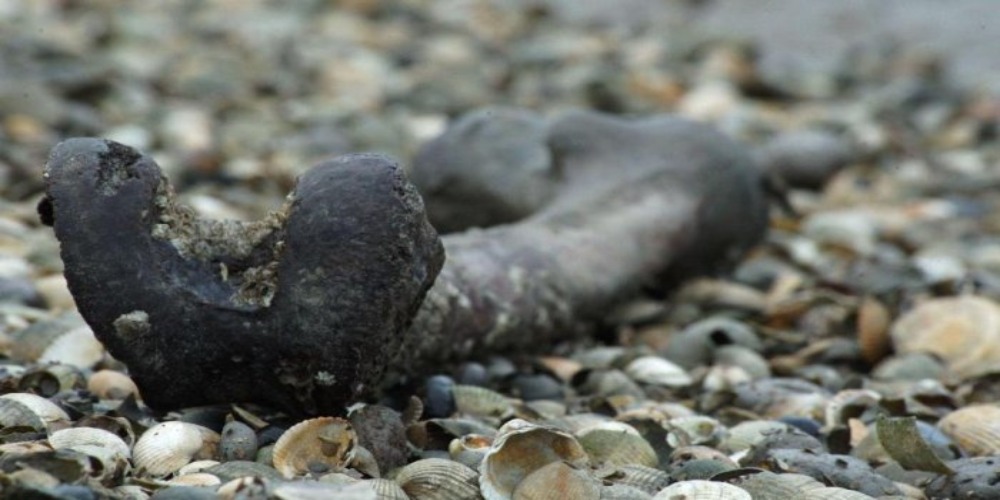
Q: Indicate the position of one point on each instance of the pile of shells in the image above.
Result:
(853, 355)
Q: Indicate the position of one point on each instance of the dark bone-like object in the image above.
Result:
(300, 310)
(307, 308)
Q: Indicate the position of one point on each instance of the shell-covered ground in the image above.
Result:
(854, 354)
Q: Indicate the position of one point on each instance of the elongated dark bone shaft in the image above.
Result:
(630, 205)
(307, 308)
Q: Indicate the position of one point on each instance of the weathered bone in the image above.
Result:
(307, 308)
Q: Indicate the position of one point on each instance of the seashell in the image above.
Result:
(238, 442)
(848, 404)
(437, 433)
(119, 426)
(244, 487)
(241, 468)
(744, 435)
(30, 342)
(338, 478)
(766, 485)
(615, 491)
(108, 449)
(607, 383)
(364, 462)
(168, 446)
(25, 447)
(695, 344)
(780, 397)
(195, 479)
(197, 466)
(615, 444)
(690, 453)
(111, 384)
(20, 409)
(694, 430)
(470, 449)
(519, 449)
(599, 358)
(386, 489)
(556, 481)
(975, 429)
(316, 445)
(743, 357)
(542, 409)
(563, 368)
(47, 381)
(697, 489)
(873, 330)
(963, 331)
(481, 402)
(724, 378)
(655, 370)
(437, 478)
(834, 493)
(77, 347)
(700, 469)
(647, 479)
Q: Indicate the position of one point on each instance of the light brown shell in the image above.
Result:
(168, 446)
(647, 479)
(316, 445)
(111, 384)
(873, 330)
(77, 347)
(975, 429)
(519, 449)
(437, 479)
(386, 489)
(557, 481)
(615, 444)
(28, 410)
(697, 489)
(964, 331)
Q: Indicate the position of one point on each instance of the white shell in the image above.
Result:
(702, 490)
(655, 370)
(519, 449)
(168, 446)
(107, 448)
(21, 408)
(196, 479)
(77, 347)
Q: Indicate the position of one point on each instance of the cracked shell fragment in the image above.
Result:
(322, 444)
(521, 448)
(168, 446)
(556, 481)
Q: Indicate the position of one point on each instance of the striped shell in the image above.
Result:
(28, 410)
(702, 490)
(168, 446)
(615, 444)
(481, 402)
(976, 429)
(316, 445)
(437, 478)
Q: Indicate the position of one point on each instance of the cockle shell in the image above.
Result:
(108, 449)
(168, 446)
(28, 410)
(470, 449)
(647, 479)
(437, 479)
(698, 489)
(975, 429)
(316, 445)
(616, 443)
(481, 402)
(519, 449)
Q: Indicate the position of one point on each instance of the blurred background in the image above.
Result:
(249, 93)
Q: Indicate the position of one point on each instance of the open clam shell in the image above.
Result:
(168, 446)
(438, 479)
(316, 445)
(29, 410)
(521, 448)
